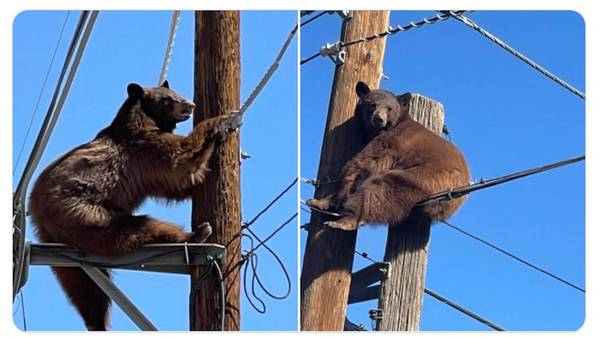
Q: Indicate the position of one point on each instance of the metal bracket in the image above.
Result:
(112, 291)
(166, 258)
(335, 51)
(244, 155)
(360, 286)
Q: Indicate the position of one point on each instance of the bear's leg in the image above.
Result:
(89, 300)
(322, 204)
(382, 199)
(128, 232)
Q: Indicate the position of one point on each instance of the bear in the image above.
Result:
(86, 198)
(401, 164)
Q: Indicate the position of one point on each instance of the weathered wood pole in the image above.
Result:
(401, 296)
(329, 254)
(217, 199)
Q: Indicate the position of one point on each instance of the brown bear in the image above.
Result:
(85, 199)
(401, 164)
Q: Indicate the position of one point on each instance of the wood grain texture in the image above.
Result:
(329, 254)
(217, 199)
(401, 296)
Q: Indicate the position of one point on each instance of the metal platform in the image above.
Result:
(173, 258)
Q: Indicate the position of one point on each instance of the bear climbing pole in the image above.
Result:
(328, 258)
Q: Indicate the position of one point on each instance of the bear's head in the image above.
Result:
(380, 110)
(161, 104)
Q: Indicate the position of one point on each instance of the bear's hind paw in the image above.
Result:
(345, 224)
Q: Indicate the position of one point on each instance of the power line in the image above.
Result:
(513, 256)
(449, 302)
(37, 103)
(390, 31)
(267, 76)
(461, 191)
(313, 18)
(464, 310)
(281, 194)
(279, 228)
(78, 42)
(251, 259)
(364, 255)
(470, 23)
(23, 312)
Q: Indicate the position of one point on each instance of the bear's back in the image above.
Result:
(416, 148)
(89, 172)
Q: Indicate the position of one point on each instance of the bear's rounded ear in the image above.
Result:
(362, 89)
(404, 99)
(165, 84)
(135, 91)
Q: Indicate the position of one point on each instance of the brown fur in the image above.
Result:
(86, 198)
(402, 163)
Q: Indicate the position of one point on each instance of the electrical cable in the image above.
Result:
(37, 103)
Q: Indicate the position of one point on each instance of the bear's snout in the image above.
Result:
(189, 106)
(378, 120)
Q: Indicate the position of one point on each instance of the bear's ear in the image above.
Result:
(362, 89)
(135, 91)
(404, 99)
(165, 84)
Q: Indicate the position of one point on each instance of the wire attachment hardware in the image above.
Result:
(376, 315)
(234, 122)
(335, 51)
(344, 14)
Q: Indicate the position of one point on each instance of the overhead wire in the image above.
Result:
(79, 41)
(39, 99)
(465, 311)
(313, 18)
(450, 303)
(461, 191)
(390, 31)
(250, 258)
(267, 76)
(470, 23)
(271, 203)
(513, 256)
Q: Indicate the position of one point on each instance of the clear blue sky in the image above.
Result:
(128, 47)
(505, 117)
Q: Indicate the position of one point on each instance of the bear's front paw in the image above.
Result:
(345, 224)
(198, 174)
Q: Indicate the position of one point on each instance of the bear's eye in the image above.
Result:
(389, 109)
(165, 102)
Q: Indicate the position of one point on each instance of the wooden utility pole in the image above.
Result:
(329, 254)
(217, 199)
(401, 296)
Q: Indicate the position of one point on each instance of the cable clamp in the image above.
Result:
(449, 195)
(234, 122)
(376, 314)
(335, 51)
